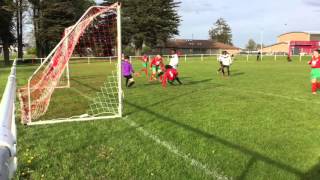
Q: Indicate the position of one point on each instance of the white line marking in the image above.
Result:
(273, 95)
(174, 150)
(282, 96)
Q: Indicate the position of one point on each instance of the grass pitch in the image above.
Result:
(260, 123)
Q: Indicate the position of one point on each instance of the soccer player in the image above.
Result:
(155, 65)
(145, 61)
(174, 60)
(315, 71)
(220, 61)
(226, 61)
(170, 75)
(258, 56)
(127, 71)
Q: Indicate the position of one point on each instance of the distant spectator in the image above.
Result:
(259, 56)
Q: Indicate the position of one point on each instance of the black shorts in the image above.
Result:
(128, 77)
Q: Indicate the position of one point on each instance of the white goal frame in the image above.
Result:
(82, 118)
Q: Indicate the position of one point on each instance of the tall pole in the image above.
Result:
(192, 44)
(261, 44)
(119, 59)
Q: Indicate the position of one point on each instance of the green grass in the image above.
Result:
(260, 123)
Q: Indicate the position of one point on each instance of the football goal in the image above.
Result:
(65, 87)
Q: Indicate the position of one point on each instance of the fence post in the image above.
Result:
(110, 59)
(185, 58)
(201, 57)
(275, 57)
(88, 60)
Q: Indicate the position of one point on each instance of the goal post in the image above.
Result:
(96, 34)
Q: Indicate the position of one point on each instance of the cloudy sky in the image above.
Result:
(248, 18)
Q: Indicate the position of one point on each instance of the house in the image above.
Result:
(188, 46)
(295, 43)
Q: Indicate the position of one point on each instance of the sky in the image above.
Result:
(248, 18)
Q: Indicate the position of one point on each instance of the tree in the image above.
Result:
(259, 46)
(35, 6)
(221, 32)
(6, 28)
(51, 17)
(252, 45)
(20, 7)
(146, 22)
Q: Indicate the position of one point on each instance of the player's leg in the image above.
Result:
(160, 74)
(228, 69)
(315, 74)
(145, 69)
(177, 78)
(131, 81)
(127, 80)
(154, 72)
(222, 69)
(314, 86)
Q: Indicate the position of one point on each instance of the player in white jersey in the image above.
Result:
(225, 61)
(174, 60)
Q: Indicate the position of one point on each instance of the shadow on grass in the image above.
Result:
(84, 84)
(254, 155)
(313, 173)
(185, 83)
(175, 97)
(237, 74)
(246, 170)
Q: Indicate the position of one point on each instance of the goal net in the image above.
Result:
(68, 87)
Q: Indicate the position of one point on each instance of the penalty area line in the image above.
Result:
(174, 150)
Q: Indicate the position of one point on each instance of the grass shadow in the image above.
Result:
(173, 97)
(185, 83)
(255, 155)
(84, 84)
(237, 74)
(313, 173)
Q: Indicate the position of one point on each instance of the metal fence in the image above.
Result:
(242, 57)
(8, 135)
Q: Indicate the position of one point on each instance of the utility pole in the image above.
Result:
(261, 45)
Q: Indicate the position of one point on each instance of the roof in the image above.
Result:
(293, 32)
(275, 44)
(199, 44)
(304, 32)
(313, 32)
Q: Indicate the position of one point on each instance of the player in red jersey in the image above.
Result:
(156, 65)
(145, 61)
(170, 75)
(315, 71)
